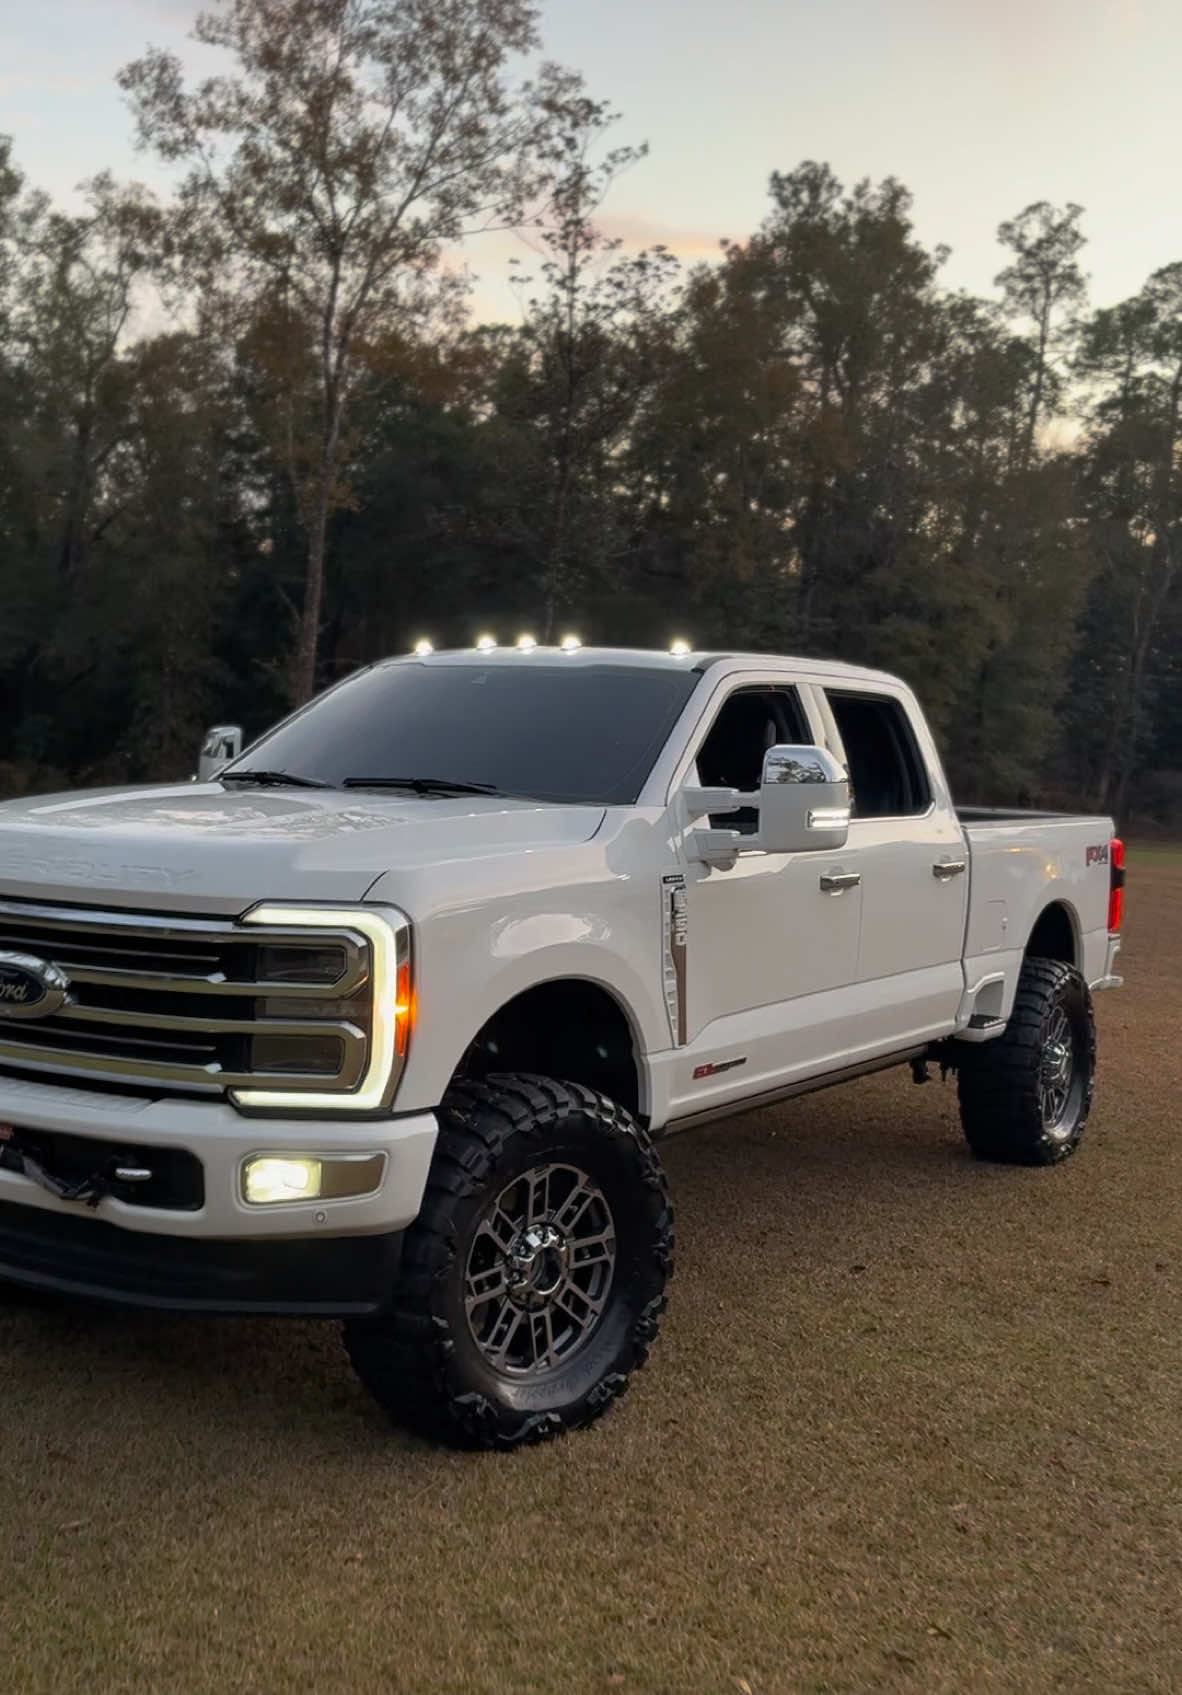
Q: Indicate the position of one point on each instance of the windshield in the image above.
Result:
(547, 731)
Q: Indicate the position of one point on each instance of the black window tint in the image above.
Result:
(748, 722)
(887, 775)
(549, 731)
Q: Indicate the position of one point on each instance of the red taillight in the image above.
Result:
(1116, 892)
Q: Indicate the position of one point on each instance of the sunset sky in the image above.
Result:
(979, 106)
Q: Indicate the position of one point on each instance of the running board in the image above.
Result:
(805, 1086)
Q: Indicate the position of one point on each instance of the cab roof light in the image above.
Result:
(423, 647)
(570, 644)
(680, 648)
(526, 644)
(485, 644)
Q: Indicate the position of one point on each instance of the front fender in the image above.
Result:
(457, 995)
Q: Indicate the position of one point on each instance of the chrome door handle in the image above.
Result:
(832, 882)
(945, 868)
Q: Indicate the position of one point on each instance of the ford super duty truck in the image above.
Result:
(386, 1019)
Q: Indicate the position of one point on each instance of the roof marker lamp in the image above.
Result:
(526, 644)
(680, 648)
(570, 644)
(423, 647)
(485, 644)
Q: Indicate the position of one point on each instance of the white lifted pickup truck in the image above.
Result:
(385, 1020)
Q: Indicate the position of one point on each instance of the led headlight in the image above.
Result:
(372, 1016)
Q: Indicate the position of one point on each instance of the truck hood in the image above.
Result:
(211, 849)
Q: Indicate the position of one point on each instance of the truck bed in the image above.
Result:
(1022, 863)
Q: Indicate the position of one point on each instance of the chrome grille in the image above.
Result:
(179, 1004)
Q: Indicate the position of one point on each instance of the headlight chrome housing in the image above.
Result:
(368, 964)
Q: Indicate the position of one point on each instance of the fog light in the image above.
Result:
(274, 1179)
(267, 1180)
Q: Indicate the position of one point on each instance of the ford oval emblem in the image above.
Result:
(30, 987)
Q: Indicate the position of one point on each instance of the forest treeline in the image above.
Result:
(251, 437)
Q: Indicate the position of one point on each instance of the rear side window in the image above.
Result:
(887, 775)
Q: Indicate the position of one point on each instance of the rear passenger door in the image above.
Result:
(908, 847)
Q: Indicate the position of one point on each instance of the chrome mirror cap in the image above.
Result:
(222, 744)
(804, 800)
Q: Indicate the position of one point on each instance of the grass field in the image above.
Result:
(914, 1423)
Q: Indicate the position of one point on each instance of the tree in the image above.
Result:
(572, 381)
(1132, 355)
(353, 141)
(1044, 284)
(80, 282)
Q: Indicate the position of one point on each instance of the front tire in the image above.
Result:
(533, 1279)
(1025, 1097)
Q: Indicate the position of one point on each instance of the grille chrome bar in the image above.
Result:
(209, 985)
(202, 1078)
(343, 1032)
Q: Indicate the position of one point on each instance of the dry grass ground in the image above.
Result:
(914, 1424)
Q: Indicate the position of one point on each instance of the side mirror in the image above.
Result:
(222, 744)
(804, 801)
(804, 807)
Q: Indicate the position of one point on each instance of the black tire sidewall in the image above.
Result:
(612, 1158)
(1000, 1082)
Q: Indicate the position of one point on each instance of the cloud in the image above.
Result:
(683, 240)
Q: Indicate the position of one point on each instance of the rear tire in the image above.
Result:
(533, 1279)
(1025, 1097)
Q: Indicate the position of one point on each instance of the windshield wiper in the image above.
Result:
(421, 785)
(273, 779)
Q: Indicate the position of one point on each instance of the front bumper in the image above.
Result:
(308, 1277)
(221, 1255)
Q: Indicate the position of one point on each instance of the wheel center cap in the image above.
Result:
(536, 1264)
(1055, 1060)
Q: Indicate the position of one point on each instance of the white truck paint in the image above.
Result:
(740, 976)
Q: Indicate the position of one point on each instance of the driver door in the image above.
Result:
(770, 955)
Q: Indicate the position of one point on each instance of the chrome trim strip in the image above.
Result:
(208, 1026)
(157, 981)
(66, 917)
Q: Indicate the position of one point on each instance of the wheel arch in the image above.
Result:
(1056, 935)
(575, 1028)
